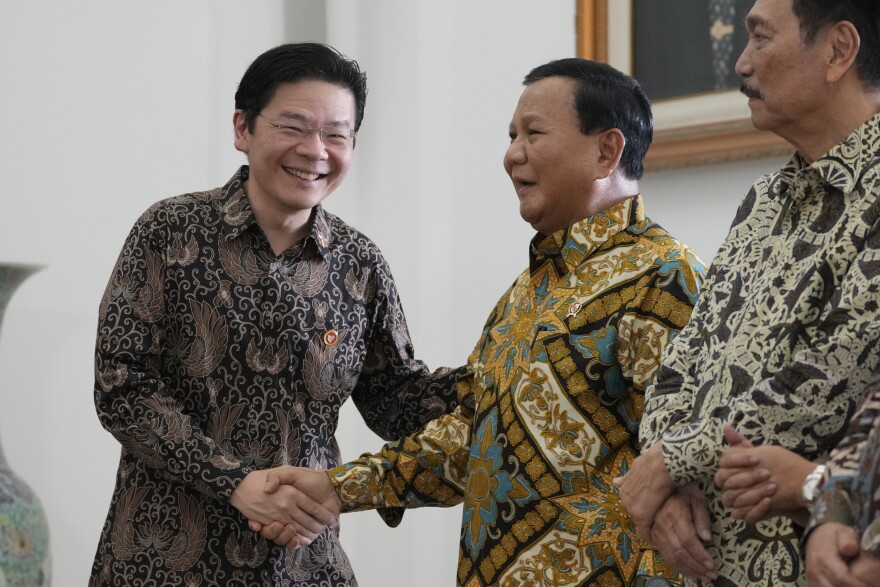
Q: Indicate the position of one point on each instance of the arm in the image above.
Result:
(132, 397)
(647, 484)
(816, 387)
(428, 468)
(397, 394)
(432, 472)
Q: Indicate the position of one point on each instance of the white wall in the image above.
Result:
(109, 106)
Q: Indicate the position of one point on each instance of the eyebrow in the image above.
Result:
(753, 21)
(286, 115)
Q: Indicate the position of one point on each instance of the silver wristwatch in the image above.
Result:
(811, 487)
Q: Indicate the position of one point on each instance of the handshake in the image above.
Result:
(287, 505)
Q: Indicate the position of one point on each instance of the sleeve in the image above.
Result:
(850, 491)
(427, 468)
(133, 400)
(653, 321)
(397, 394)
(669, 398)
(844, 352)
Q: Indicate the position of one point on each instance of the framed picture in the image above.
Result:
(684, 52)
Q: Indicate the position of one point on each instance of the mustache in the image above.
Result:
(750, 92)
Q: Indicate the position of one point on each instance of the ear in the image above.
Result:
(611, 144)
(843, 42)
(242, 134)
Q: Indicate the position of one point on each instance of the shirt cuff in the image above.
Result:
(692, 452)
(357, 487)
(871, 539)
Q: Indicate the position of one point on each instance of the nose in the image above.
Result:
(743, 65)
(515, 155)
(312, 148)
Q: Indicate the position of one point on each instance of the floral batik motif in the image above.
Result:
(551, 414)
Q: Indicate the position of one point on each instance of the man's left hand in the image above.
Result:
(644, 489)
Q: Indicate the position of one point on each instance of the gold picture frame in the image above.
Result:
(701, 129)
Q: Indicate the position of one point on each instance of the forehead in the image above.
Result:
(549, 98)
(776, 13)
(314, 97)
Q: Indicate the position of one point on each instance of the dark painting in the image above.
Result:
(683, 47)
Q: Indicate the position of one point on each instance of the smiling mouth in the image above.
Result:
(303, 174)
(520, 185)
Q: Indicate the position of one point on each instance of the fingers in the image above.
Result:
(305, 511)
(288, 535)
(754, 514)
(741, 477)
(826, 566)
(702, 520)
(677, 538)
(734, 438)
(275, 478)
(746, 498)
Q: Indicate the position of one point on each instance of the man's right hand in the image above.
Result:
(314, 495)
(288, 509)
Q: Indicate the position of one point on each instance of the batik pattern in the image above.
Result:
(851, 489)
(551, 414)
(215, 358)
(783, 340)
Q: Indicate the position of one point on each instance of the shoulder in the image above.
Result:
(351, 242)
(178, 212)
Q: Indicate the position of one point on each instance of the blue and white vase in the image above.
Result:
(24, 533)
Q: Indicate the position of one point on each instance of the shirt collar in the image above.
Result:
(237, 216)
(569, 247)
(842, 166)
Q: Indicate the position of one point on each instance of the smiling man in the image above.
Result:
(236, 323)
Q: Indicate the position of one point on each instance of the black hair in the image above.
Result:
(606, 98)
(295, 62)
(814, 15)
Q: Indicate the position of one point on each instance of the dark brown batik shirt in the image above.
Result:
(216, 358)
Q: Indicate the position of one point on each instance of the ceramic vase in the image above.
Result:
(24, 533)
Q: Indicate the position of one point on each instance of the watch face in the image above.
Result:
(656, 582)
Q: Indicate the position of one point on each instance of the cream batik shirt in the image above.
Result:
(783, 340)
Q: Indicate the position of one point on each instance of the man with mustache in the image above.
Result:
(785, 335)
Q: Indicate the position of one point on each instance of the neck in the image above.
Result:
(837, 120)
(611, 191)
(281, 226)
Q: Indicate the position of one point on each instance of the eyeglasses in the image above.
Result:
(295, 132)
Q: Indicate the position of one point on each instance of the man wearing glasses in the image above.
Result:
(235, 324)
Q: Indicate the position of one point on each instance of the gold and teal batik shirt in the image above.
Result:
(551, 413)
(785, 337)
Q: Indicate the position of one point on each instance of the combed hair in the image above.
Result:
(814, 15)
(295, 62)
(606, 98)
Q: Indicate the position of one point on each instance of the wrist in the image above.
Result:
(811, 487)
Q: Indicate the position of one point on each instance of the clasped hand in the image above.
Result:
(287, 505)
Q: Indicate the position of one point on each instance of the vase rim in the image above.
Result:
(20, 265)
